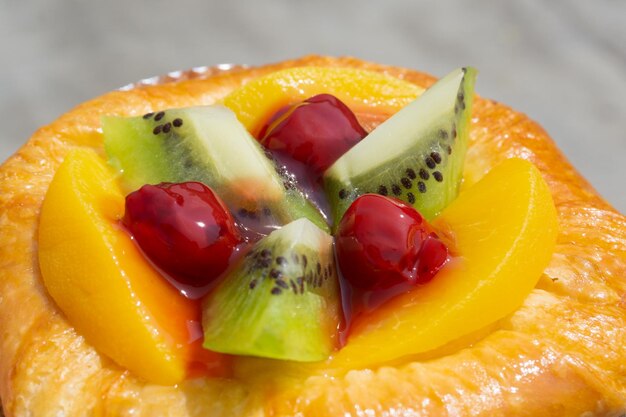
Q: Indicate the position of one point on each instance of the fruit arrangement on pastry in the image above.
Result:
(323, 236)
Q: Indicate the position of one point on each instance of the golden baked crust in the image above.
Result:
(562, 353)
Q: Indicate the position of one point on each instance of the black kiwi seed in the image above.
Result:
(293, 286)
(157, 129)
(421, 187)
(300, 281)
(275, 273)
(396, 189)
(343, 194)
(252, 284)
(319, 268)
(410, 173)
(438, 176)
(443, 134)
(304, 260)
(177, 122)
(266, 253)
(456, 108)
(267, 212)
(406, 183)
(243, 212)
(430, 162)
(281, 260)
(382, 190)
(449, 150)
(453, 132)
(167, 127)
(436, 157)
(276, 291)
(424, 174)
(148, 115)
(159, 116)
(460, 96)
(282, 284)
(411, 197)
(463, 104)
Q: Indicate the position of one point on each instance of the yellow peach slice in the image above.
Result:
(256, 101)
(503, 232)
(100, 280)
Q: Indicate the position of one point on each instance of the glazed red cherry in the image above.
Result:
(185, 230)
(382, 242)
(315, 132)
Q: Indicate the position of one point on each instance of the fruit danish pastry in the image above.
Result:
(318, 237)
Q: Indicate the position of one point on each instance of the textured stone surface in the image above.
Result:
(563, 62)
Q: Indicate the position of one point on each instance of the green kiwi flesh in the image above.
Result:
(280, 301)
(209, 145)
(416, 155)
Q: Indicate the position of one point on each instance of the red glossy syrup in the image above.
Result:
(307, 180)
(185, 231)
(383, 248)
(203, 362)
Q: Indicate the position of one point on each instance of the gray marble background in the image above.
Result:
(563, 62)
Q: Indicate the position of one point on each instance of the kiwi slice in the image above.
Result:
(206, 144)
(416, 155)
(280, 301)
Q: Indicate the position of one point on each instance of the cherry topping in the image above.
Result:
(382, 242)
(185, 230)
(315, 132)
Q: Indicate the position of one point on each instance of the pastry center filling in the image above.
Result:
(277, 226)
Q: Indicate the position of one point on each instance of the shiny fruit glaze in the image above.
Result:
(315, 132)
(185, 230)
(384, 248)
(382, 242)
(105, 287)
(503, 246)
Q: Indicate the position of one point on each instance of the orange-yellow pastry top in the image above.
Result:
(561, 354)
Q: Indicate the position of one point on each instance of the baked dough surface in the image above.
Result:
(561, 354)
